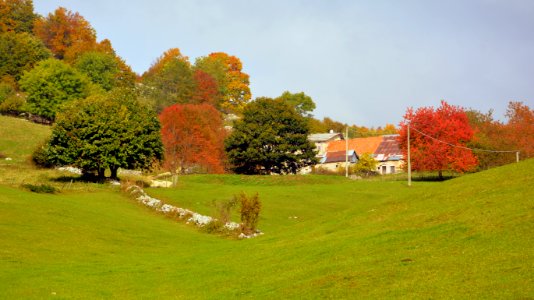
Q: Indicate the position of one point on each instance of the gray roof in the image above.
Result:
(323, 137)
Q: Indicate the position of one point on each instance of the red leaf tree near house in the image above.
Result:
(433, 132)
(193, 137)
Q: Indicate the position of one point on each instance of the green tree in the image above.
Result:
(111, 130)
(101, 68)
(170, 80)
(302, 103)
(11, 102)
(270, 138)
(16, 15)
(50, 84)
(20, 52)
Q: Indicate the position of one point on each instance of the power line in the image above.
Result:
(467, 148)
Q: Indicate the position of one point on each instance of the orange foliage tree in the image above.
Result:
(16, 16)
(232, 83)
(436, 138)
(193, 138)
(66, 34)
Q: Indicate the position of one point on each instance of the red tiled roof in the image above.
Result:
(361, 145)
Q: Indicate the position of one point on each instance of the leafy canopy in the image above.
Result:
(16, 16)
(270, 138)
(50, 84)
(302, 103)
(20, 52)
(448, 124)
(193, 137)
(232, 82)
(112, 131)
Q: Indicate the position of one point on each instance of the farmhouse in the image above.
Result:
(384, 149)
(322, 140)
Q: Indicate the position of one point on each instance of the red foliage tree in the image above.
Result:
(193, 137)
(436, 138)
(520, 127)
(206, 90)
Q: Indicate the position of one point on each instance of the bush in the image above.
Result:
(250, 212)
(366, 166)
(11, 102)
(40, 156)
(43, 188)
(224, 210)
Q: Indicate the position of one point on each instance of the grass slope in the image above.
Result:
(470, 237)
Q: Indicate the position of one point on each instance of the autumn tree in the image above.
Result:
(16, 16)
(437, 137)
(67, 34)
(232, 82)
(106, 131)
(520, 127)
(302, 103)
(20, 52)
(50, 84)
(271, 138)
(170, 79)
(193, 137)
(205, 90)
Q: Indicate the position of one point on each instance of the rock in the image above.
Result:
(9, 158)
(160, 183)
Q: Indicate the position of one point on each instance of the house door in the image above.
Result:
(384, 169)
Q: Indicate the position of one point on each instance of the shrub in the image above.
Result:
(365, 166)
(250, 211)
(40, 156)
(43, 188)
(224, 209)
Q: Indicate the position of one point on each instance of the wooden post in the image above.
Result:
(409, 159)
(517, 157)
(347, 152)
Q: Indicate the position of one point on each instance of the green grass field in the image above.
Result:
(470, 237)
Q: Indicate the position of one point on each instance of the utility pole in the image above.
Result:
(347, 151)
(409, 159)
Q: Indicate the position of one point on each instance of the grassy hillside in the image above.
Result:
(470, 237)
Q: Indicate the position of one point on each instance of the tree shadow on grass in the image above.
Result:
(78, 179)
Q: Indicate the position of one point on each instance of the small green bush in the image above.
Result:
(43, 188)
(40, 156)
(224, 209)
(250, 211)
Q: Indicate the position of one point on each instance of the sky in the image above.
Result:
(362, 62)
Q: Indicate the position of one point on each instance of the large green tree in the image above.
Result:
(271, 138)
(20, 52)
(101, 68)
(302, 103)
(170, 80)
(50, 84)
(107, 131)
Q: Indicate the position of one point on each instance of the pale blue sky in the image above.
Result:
(362, 62)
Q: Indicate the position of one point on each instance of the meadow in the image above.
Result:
(325, 236)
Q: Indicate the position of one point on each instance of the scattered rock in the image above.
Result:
(71, 170)
(9, 158)
(192, 217)
(160, 183)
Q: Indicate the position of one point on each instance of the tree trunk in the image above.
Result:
(440, 175)
(114, 170)
(101, 173)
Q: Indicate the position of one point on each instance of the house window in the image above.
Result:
(392, 169)
(384, 169)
